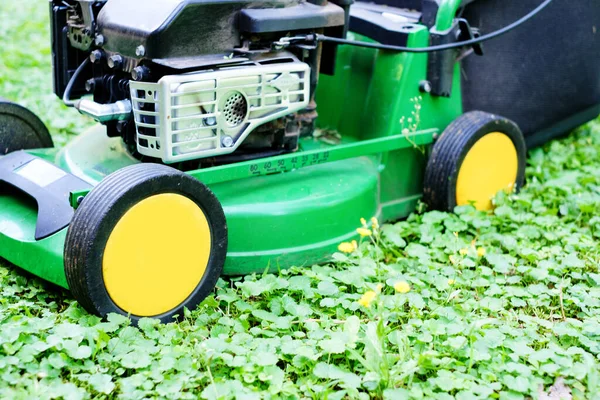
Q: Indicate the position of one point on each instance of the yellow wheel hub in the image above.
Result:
(156, 255)
(491, 165)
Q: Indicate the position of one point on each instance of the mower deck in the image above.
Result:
(275, 220)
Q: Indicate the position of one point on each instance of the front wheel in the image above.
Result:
(476, 156)
(146, 242)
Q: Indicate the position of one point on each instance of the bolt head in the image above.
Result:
(140, 51)
(115, 62)
(90, 84)
(121, 126)
(96, 56)
(99, 40)
(227, 141)
(425, 86)
(139, 73)
(210, 121)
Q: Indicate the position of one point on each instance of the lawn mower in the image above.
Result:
(236, 136)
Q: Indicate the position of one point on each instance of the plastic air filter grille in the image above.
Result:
(209, 113)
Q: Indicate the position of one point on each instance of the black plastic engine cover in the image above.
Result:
(184, 28)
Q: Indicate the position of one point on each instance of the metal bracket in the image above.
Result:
(82, 28)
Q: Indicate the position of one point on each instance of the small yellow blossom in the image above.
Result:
(455, 234)
(451, 281)
(402, 287)
(379, 287)
(354, 244)
(464, 252)
(374, 223)
(364, 232)
(363, 222)
(367, 298)
(480, 251)
(346, 247)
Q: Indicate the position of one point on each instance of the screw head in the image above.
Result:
(121, 126)
(79, 199)
(90, 85)
(115, 62)
(210, 121)
(99, 40)
(96, 56)
(227, 141)
(140, 51)
(425, 87)
(140, 73)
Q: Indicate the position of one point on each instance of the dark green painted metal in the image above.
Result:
(296, 208)
(307, 158)
(370, 94)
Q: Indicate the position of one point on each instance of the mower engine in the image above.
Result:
(179, 80)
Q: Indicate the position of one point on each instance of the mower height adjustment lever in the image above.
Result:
(468, 33)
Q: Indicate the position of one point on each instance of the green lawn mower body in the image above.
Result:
(379, 114)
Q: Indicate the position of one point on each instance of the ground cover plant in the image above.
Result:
(466, 305)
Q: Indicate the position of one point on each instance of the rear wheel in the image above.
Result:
(476, 156)
(146, 242)
(20, 129)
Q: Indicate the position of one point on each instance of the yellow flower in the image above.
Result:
(402, 287)
(455, 234)
(480, 251)
(374, 223)
(463, 252)
(364, 232)
(367, 298)
(451, 281)
(379, 287)
(363, 222)
(346, 247)
(354, 244)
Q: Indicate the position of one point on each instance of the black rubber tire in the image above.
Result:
(101, 210)
(449, 151)
(20, 129)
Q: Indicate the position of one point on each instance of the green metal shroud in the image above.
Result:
(293, 209)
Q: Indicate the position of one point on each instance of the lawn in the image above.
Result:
(467, 305)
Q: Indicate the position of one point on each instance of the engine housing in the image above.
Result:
(208, 80)
(210, 113)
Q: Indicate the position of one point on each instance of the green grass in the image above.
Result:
(505, 325)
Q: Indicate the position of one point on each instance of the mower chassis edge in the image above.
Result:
(294, 161)
(43, 258)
